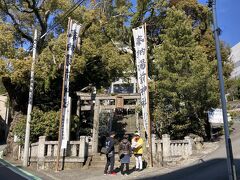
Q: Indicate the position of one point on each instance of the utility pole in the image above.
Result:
(30, 103)
(216, 30)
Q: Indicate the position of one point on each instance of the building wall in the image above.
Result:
(124, 85)
(235, 57)
(3, 101)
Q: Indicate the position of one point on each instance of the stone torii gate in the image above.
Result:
(97, 102)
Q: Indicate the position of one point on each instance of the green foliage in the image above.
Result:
(233, 88)
(186, 85)
(19, 128)
(2, 89)
(42, 124)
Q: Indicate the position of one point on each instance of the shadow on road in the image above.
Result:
(215, 169)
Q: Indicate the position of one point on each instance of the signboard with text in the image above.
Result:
(215, 116)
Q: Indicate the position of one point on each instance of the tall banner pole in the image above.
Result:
(63, 85)
(148, 102)
(63, 138)
(140, 43)
(30, 104)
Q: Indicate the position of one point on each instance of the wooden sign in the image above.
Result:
(119, 102)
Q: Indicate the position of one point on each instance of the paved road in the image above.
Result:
(7, 174)
(212, 167)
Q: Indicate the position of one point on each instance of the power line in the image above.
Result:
(69, 11)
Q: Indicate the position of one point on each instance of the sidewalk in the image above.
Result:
(97, 173)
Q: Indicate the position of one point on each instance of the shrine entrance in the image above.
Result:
(110, 113)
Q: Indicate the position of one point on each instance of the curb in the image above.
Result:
(18, 171)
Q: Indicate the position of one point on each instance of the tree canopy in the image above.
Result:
(185, 83)
(182, 60)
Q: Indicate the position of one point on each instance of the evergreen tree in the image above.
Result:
(185, 83)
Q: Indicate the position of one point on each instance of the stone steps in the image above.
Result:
(120, 125)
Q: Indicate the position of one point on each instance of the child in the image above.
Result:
(125, 154)
(137, 145)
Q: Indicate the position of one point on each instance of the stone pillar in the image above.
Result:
(82, 148)
(74, 150)
(78, 107)
(134, 87)
(154, 148)
(95, 126)
(55, 149)
(190, 144)
(112, 88)
(166, 146)
(19, 152)
(41, 152)
(110, 120)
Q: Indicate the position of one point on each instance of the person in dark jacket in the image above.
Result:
(125, 154)
(109, 144)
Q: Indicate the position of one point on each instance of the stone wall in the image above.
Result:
(43, 154)
(167, 150)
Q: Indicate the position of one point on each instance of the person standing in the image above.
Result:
(125, 154)
(137, 147)
(110, 155)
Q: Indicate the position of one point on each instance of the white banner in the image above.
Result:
(71, 45)
(140, 43)
(66, 127)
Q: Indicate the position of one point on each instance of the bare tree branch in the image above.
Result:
(35, 9)
(16, 23)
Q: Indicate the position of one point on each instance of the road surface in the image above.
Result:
(212, 167)
(7, 174)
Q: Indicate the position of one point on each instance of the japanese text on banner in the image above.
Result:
(141, 61)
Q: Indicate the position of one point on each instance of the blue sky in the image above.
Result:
(228, 17)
